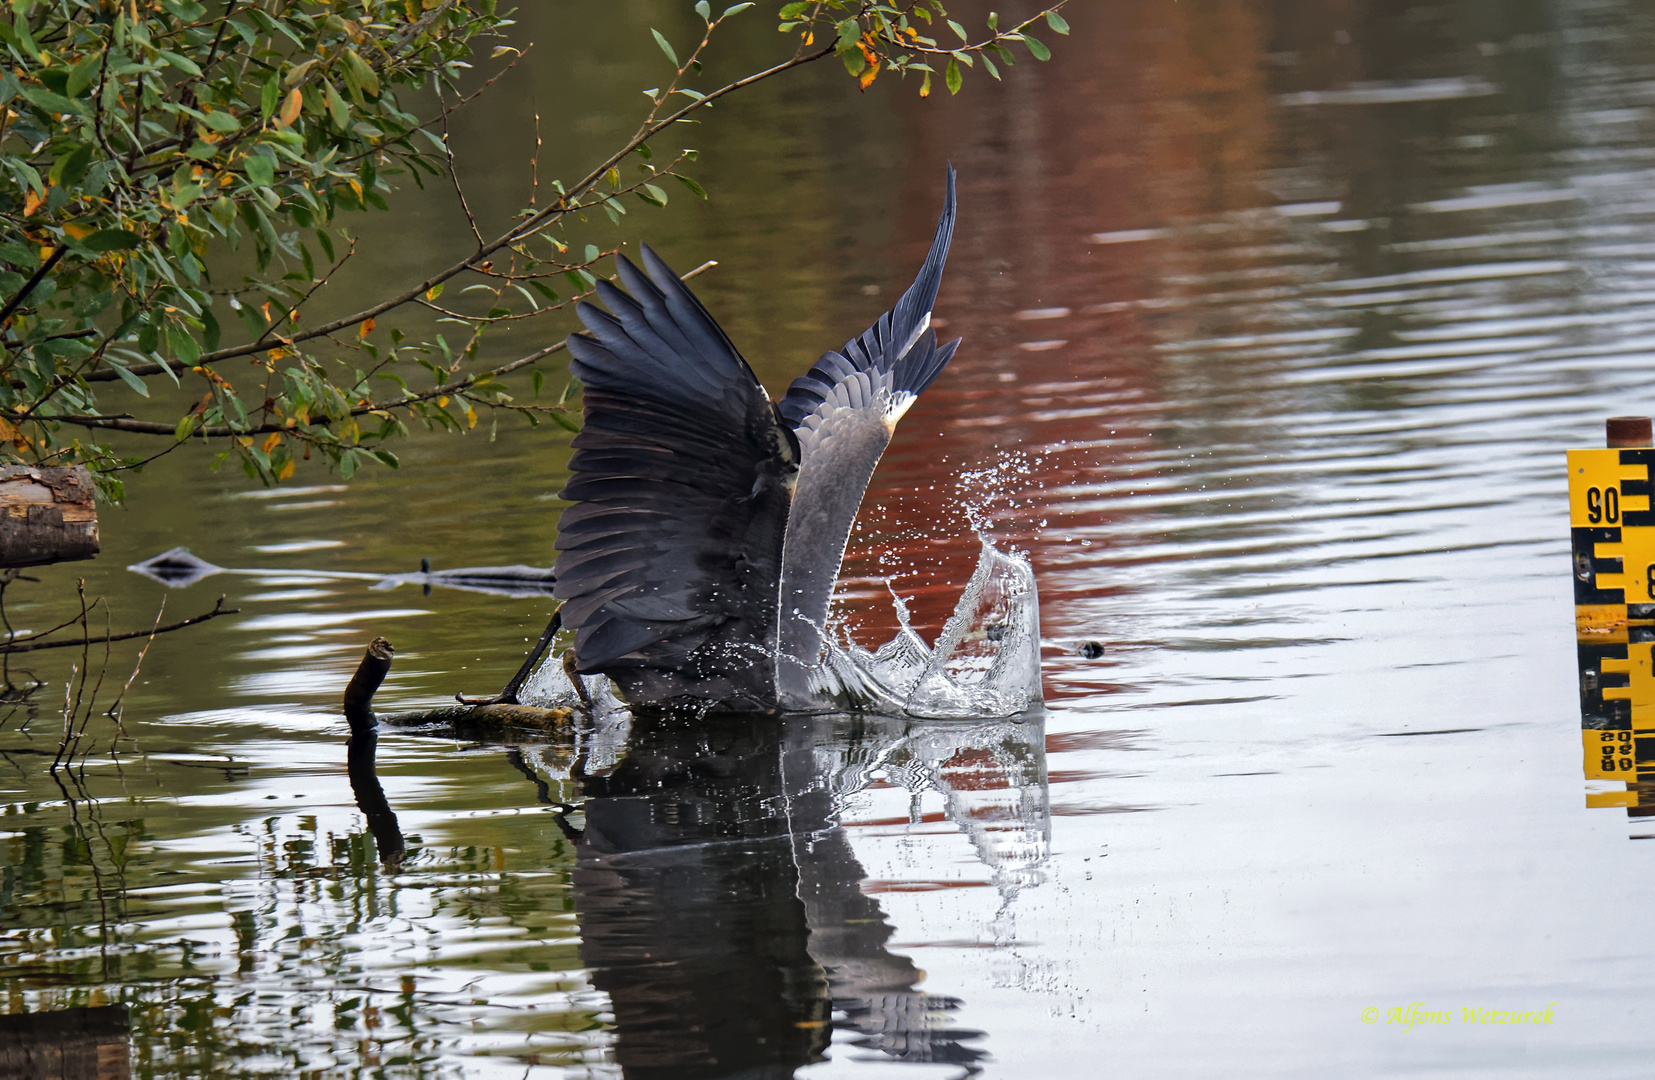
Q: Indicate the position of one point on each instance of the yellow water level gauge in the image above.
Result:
(1612, 556)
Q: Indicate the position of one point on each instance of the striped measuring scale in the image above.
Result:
(1612, 544)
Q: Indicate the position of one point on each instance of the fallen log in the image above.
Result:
(473, 720)
(47, 514)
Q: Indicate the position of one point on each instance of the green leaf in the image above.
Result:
(1036, 49)
(181, 62)
(958, 29)
(1055, 21)
(18, 34)
(989, 64)
(185, 426)
(131, 380)
(735, 9)
(364, 73)
(653, 195)
(952, 76)
(52, 103)
(692, 185)
(850, 32)
(794, 10)
(666, 47)
(182, 344)
(260, 170)
(337, 108)
(537, 381)
(84, 74)
(111, 240)
(222, 122)
(704, 9)
(71, 168)
(270, 96)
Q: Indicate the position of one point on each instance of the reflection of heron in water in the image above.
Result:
(719, 895)
(709, 522)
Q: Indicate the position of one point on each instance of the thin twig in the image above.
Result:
(30, 644)
(29, 286)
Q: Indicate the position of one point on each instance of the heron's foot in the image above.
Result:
(571, 669)
(508, 695)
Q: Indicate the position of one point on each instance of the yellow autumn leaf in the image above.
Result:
(364, 330)
(287, 471)
(442, 402)
(78, 231)
(290, 108)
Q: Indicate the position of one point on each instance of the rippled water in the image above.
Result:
(1277, 323)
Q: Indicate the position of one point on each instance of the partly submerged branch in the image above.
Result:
(479, 719)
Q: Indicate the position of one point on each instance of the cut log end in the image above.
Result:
(48, 514)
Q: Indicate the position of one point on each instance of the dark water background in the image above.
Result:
(1277, 320)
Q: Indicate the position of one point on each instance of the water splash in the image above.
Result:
(986, 662)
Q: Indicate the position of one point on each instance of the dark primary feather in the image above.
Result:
(670, 556)
(896, 343)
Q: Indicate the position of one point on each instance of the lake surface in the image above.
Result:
(1277, 323)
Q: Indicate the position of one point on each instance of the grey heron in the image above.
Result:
(708, 523)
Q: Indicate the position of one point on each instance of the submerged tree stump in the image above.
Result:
(47, 514)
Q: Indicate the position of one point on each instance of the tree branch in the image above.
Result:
(32, 643)
(519, 232)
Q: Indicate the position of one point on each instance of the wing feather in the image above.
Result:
(681, 483)
(901, 343)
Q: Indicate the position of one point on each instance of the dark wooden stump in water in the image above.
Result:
(47, 514)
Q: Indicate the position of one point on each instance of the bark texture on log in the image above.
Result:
(47, 514)
(69, 1044)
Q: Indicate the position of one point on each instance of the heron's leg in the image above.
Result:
(570, 668)
(508, 696)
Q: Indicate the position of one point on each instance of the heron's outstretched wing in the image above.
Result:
(901, 345)
(843, 412)
(681, 483)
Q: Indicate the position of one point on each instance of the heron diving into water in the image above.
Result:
(709, 522)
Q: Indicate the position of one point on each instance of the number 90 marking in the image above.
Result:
(1603, 506)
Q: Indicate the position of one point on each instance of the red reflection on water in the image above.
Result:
(1073, 259)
